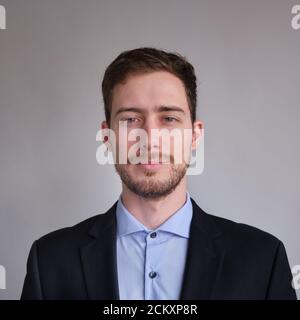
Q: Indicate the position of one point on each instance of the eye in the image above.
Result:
(170, 119)
(131, 120)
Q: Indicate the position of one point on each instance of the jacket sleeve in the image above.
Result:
(280, 285)
(32, 285)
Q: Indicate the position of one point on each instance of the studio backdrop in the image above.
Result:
(53, 54)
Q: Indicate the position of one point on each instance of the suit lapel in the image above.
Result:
(99, 259)
(204, 258)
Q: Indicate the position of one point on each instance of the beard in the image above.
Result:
(148, 185)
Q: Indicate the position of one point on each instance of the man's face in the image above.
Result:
(147, 101)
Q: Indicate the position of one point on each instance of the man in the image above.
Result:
(155, 242)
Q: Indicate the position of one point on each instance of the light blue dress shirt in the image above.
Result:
(151, 263)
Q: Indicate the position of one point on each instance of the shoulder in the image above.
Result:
(64, 239)
(233, 233)
(243, 238)
(75, 236)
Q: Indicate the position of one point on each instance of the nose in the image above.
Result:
(153, 145)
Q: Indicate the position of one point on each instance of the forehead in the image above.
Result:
(148, 90)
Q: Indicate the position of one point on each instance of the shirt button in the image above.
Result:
(153, 235)
(152, 274)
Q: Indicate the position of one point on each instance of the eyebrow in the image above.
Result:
(161, 108)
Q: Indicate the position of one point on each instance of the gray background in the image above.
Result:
(52, 59)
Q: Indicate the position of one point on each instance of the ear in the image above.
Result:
(198, 128)
(104, 125)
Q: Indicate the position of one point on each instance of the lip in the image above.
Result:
(150, 166)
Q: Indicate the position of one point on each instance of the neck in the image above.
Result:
(153, 212)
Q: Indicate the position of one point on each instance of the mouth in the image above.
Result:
(150, 166)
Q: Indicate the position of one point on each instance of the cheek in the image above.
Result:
(179, 143)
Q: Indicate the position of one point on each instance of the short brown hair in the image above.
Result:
(148, 59)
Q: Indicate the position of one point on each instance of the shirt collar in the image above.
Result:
(178, 223)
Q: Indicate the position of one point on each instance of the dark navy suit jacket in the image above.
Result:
(225, 260)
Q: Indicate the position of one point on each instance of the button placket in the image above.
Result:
(150, 265)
